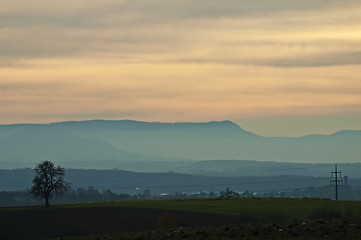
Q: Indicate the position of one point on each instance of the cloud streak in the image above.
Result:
(161, 30)
(178, 60)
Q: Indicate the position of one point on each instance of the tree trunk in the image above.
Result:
(46, 202)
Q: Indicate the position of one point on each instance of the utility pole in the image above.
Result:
(336, 180)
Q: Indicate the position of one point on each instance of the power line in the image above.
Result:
(336, 182)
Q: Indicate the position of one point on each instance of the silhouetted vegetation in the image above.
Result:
(172, 185)
(79, 195)
(227, 194)
(48, 180)
(91, 194)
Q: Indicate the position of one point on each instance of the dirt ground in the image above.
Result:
(63, 222)
(117, 223)
(310, 229)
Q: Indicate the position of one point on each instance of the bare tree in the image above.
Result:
(48, 180)
(228, 194)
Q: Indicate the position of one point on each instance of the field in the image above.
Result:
(205, 218)
(334, 229)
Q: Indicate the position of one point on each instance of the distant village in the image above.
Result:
(91, 194)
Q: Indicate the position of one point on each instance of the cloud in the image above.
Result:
(328, 59)
(77, 13)
(178, 59)
(178, 91)
(235, 32)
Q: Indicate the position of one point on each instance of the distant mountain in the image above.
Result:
(227, 168)
(129, 125)
(104, 140)
(39, 143)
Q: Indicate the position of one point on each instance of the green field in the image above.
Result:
(95, 219)
(285, 208)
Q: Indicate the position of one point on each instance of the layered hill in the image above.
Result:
(126, 140)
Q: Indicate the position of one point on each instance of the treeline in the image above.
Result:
(91, 194)
(25, 198)
(351, 193)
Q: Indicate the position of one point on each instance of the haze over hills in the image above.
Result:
(33, 144)
(129, 182)
(126, 140)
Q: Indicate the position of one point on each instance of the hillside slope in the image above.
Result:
(197, 141)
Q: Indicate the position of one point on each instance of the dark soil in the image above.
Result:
(344, 229)
(62, 222)
(116, 223)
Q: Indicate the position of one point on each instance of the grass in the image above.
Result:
(287, 208)
(258, 208)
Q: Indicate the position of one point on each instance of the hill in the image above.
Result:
(169, 142)
(37, 143)
(120, 181)
(229, 168)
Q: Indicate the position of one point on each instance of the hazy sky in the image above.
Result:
(280, 67)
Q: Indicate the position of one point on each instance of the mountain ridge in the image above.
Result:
(183, 140)
(133, 124)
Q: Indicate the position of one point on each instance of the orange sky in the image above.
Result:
(284, 68)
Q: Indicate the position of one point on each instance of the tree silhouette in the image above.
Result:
(48, 180)
(228, 194)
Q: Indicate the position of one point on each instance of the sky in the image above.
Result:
(276, 68)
